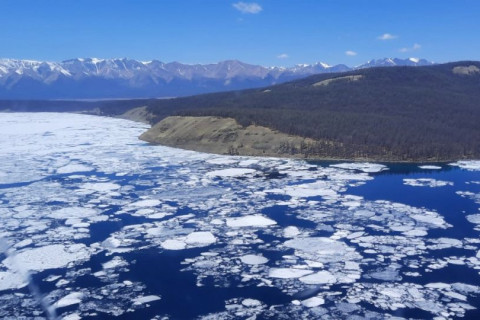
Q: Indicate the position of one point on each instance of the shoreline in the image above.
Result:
(224, 136)
(128, 116)
(326, 159)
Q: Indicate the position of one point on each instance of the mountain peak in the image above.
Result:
(128, 78)
(386, 62)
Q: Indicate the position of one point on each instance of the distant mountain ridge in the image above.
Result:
(92, 78)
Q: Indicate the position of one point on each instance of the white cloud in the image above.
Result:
(283, 56)
(247, 7)
(350, 53)
(415, 46)
(387, 36)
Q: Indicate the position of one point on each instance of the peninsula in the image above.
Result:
(400, 114)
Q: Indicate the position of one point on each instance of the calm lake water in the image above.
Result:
(96, 224)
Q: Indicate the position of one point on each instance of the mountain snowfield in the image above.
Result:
(127, 78)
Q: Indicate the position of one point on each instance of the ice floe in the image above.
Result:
(11, 280)
(74, 167)
(426, 182)
(291, 232)
(70, 299)
(288, 273)
(233, 172)
(48, 257)
(253, 259)
(472, 165)
(251, 303)
(200, 238)
(430, 167)
(313, 302)
(250, 221)
(361, 166)
(320, 277)
(146, 299)
(173, 244)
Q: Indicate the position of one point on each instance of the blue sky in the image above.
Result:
(266, 32)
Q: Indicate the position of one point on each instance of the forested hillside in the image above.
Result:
(397, 113)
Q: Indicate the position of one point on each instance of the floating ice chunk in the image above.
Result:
(146, 299)
(395, 293)
(144, 212)
(430, 167)
(217, 222)
(455, 295)
(444, 243)
(313, 302)
(61, 283)
(321, 277)
(173, 244)
(473, 218)
(48, 257)
(250, 221)
(224, 160)
(251, 303)
(23, 243)
(70, 299)
(253, 259)
(232, 172)
(291, 232)
(71, 168)
(114, 263)
(319, 188)
(288, 273)
(101, 186)
(471, 165)
(249, 162)
(52, 278)
(388, 274)
(11, 280)
(431, 218)
(361, 166)
(158, 215)
(354, 235)
(415, 233)
(320, 248)
(111, 242)
(426, 182)
(73, 212)
(465, 288)
(155, 232)
(72, 316)
(200, 238)
(146, 203)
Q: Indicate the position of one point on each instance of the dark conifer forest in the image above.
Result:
(394, 113)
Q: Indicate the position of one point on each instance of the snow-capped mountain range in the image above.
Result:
(93, 78)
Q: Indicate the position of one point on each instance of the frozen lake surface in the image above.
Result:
(96, 224)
